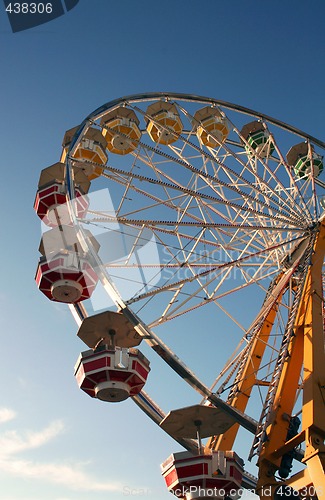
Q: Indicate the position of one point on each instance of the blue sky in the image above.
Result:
(55, 442)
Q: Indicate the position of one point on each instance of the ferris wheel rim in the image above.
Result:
(183, 96)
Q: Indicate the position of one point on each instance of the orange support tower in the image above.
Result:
(305, 355)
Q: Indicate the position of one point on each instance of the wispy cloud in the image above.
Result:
(6, 414)
(68, 473)
(12, 442)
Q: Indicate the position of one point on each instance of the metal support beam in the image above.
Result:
(306, 351)
(247, 381)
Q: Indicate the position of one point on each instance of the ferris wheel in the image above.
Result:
(170, 209)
